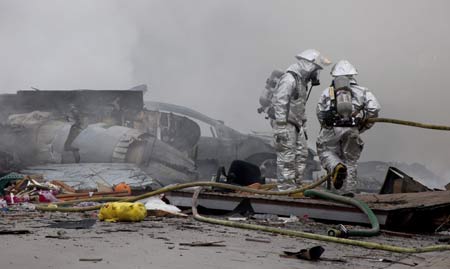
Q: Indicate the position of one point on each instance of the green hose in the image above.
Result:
(370, 245)
(307, 192)
(56, 206)
(342, 232)
(358, 243)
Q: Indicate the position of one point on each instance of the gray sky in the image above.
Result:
(214, 56)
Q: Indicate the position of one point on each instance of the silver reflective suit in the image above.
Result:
(289, 100)
(343, 144)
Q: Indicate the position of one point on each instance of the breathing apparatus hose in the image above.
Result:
(352, 242)
(409, 123)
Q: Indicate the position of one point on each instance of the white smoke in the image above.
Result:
(214, 56)
(65, 45)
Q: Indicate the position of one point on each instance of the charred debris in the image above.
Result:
(82, 146)
(116, 126)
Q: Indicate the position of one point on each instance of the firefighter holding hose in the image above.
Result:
(343, 111)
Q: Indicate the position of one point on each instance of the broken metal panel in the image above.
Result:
(166, 175)
(227, 144)
(170, 164)
(415, 212)
(147, 122)
(50, 140)
(397, 181)
(120, 153)
(315, 209)
(185, 200)
(97, 143)
(32, 139)
(46, 140)
(60, 137)
(178, 131)
(158, 106)
(48, 136)
(84, 176)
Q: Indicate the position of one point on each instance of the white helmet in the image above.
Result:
(343, 68)
(314, 56)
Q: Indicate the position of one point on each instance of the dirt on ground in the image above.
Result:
(164, 242)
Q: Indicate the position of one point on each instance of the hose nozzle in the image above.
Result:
(341, 231)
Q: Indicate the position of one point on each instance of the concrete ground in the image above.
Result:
(155, 243)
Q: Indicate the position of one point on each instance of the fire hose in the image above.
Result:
(307, 190)
(409, 123)
(342, 231)
(358, 243)
(222, 185)
(56, 206)
(328, 196)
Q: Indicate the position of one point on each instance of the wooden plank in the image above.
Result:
(383, 202)
(406, 200)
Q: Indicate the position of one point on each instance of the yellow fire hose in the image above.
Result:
(364, 244)
(56, 206)
(409, 123)
(358, 243)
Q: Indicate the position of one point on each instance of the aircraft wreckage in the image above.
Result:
(86, 143)
(114, 126)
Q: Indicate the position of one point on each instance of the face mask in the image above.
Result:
(315, 78)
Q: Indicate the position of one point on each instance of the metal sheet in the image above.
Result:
(397, 181)
(98, 141)
(313, 209)
(50, 139)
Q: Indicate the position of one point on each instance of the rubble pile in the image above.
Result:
(19, 188)
(88, 158)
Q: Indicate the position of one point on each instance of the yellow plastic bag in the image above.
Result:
(122, 211)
